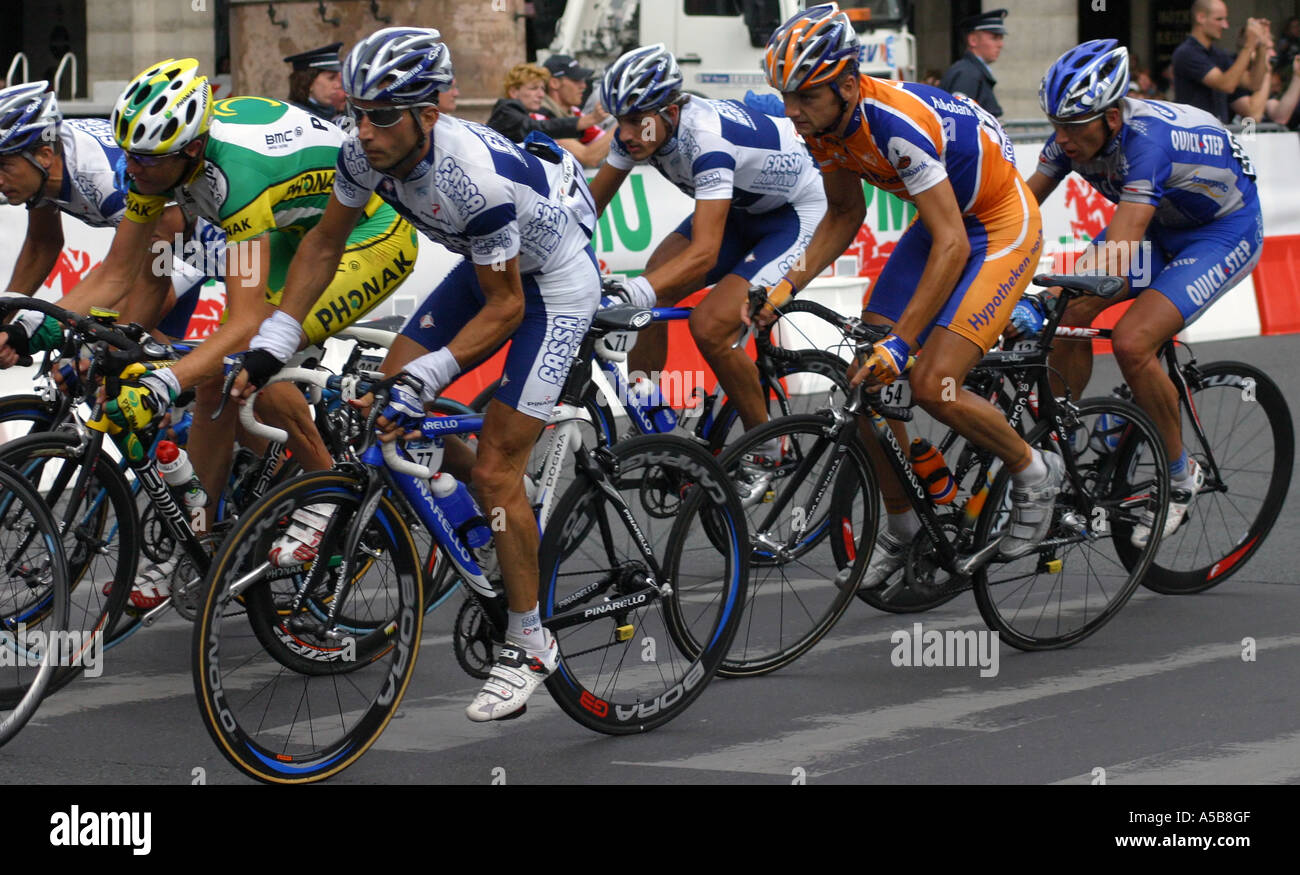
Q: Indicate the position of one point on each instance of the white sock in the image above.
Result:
(1034, 472)
(1188, 480)
(525, 629)
(771, 449)
(903, 526)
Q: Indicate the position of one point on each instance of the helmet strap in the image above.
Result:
(839, 116)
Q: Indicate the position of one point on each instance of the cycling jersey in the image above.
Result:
(94, 173)
(724, 150)
(1177, 158)
(482, 196)
(906, 138)
(267, 166)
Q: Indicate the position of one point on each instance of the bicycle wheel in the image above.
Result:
(271, 721)
(799, 585)
(101, 533)
(802, 381)
(632, 656)
(1076, 580)
(1249, 432)
(34, 634)
(21, 415)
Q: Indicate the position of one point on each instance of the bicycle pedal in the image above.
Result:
(1053, 566)
(624, 633)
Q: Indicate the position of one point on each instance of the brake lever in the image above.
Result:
(234, 367)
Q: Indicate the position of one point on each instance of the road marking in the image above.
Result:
(1275, 761)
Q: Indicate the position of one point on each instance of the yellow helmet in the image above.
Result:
(164, 108)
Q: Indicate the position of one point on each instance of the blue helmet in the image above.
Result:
(644, 80)
(399, 65)
(29, 117)
(1085, 80)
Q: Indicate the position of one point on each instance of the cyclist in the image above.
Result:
(529, 275)
(263, 170)
(1186, 229)
(74, 167)
(758, 200)
(952, 280)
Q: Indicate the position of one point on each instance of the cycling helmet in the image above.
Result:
(163, 109)
(643, 80)
(1085, 80)
(29, 117)
(403, 66)
(813, 48)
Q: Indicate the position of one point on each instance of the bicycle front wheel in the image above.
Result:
(287, 696)
(34, 635)
(1076, 580)
(1250, 436)
(639, 643)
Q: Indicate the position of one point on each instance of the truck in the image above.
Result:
(719, 44)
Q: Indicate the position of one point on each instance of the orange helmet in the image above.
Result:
(813, 48)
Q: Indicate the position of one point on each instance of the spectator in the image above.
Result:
(1146, 86)
(314, 83)
(522, 109)
(564, 94)
(1205, 76)
(971, 75)
(1245, 103)
(1284, 109)
(1288, 44)
(933, 77)
(447, 98)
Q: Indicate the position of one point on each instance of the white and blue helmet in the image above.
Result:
(643, 80)
(29, 117)
(1085, 81)
(403, 66)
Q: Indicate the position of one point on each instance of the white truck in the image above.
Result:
(719, 44)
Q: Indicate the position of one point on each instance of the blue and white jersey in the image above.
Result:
(1177, 158)
(482, 197)
(94, 173)
(724, 150)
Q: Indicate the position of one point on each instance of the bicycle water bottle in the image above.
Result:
(652, 410)
(930, 467)
(458, 506)
(1107, 431)
(175, 466)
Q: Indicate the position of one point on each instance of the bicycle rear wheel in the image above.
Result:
(632, 654)
(34, 634)
(287, 698)
(1249, 432)
(1076, 581)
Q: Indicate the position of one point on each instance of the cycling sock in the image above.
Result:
(903, 526)
(771, 449)
(526, 629)
(1178, 468)
(1032, 471)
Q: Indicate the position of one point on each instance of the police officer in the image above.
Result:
(971, 75)
(314, 83)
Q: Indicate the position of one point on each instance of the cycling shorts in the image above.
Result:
(1006, 240)
(380, 255)
(1193, 267)
(763, 247)
(558, 306)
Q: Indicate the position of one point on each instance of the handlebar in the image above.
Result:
(84, 324)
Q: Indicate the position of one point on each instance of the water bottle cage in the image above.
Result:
(463, 530)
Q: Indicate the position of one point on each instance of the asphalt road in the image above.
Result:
(1161, 695)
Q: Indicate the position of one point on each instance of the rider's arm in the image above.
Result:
(40, 250)
(845, 208)
(1124, 237)
(1041, 185)
(609, 177)
(938, 211)
(248, 265)
(686, 271)
(128, 261)
(502, 312)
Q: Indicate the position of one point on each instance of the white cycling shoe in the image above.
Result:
(1180, 504)
(515, 675)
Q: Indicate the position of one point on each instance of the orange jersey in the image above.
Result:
(905, 138)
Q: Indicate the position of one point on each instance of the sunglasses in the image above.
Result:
(380, 117)
(150, 160)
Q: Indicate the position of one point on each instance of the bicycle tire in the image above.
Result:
(263, 738)
(819, 376)
(658, 668)
(1232, 515)
(101, 533)
(794, 599)
(1106, 501)
(33, 553)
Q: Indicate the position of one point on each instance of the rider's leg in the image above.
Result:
(1072, 359)
(715, 325)
(1137, 338)
(282, 405)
